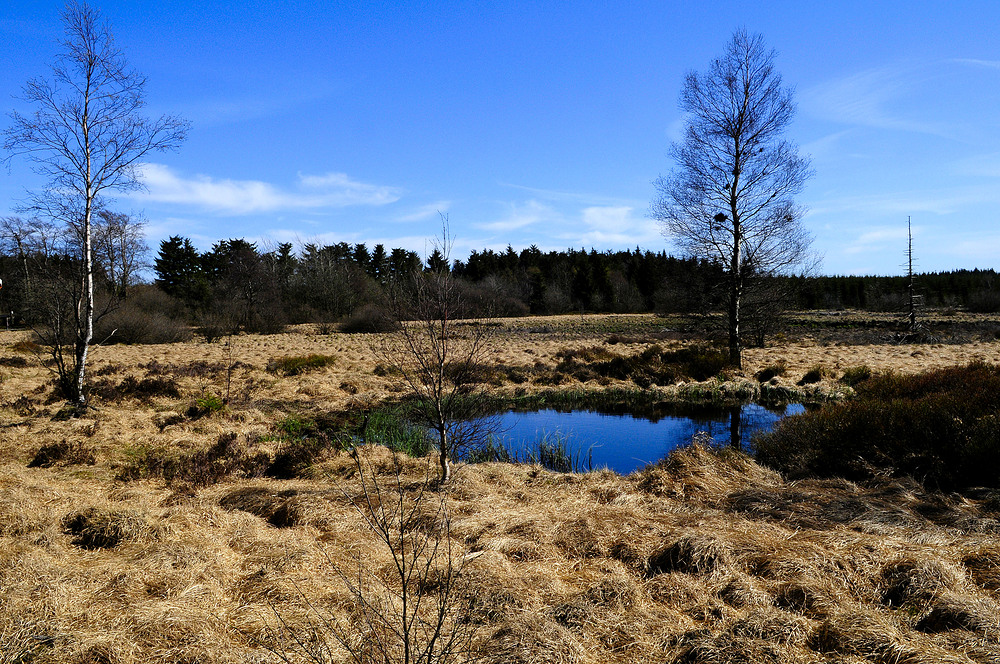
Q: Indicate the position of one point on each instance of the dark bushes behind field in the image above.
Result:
(941, 427)
(370, 318)
(147, 316)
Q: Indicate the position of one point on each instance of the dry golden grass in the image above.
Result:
(706, 557)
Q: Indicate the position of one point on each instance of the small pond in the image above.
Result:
(624, 442)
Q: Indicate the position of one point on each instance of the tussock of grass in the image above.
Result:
(652, 366)
(293, 365)
(97, 528)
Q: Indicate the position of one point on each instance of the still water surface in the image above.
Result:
(625, 443)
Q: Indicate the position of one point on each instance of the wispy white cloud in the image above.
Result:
(828, 146)
(876, 239)
(943, 201)
(983, 249)
(239, 197)
(607, 219)
(980, 165)
(611, 227)
(600, 226)
(989, 64)
(871, 98)
(556, 195)
(236, 105)
(425, 212)
(521, 215)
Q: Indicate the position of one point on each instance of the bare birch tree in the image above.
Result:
(730, 197)
(87, 136)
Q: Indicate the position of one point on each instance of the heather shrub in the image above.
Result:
(96, 528)
(228, 456)
(652, 366)
(131, 387)
(941, 427)
(64, 453)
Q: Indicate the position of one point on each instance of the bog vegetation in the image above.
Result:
(941, 428)
(172, 524)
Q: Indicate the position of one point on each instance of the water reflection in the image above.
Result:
(624, 443)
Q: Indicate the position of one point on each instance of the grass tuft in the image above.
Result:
(771, 371)
(854, 376)
(96, 528)
(293, 365)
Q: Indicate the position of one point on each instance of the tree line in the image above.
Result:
(325, 283)
(237, 285)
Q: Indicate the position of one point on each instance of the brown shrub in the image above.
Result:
(229, 456)
(143, 318)
(131, 387)
(68, 453)
(369, 318)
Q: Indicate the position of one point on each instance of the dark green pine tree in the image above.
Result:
(179, 271)
(378, 267)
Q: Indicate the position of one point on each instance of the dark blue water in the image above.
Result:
(625, 443)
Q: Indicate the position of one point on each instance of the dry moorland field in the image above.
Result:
(148, 530)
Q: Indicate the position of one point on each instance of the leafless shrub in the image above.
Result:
(370, 318)
(415, 610)
(142, 318)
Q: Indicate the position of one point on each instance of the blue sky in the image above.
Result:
(539, 123)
